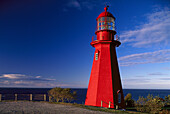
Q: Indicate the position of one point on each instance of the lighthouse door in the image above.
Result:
(119, 97)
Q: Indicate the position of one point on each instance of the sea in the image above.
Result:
(81, 92)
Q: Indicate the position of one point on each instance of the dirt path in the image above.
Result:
(24, 107)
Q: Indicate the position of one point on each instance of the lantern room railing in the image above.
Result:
(117, 38)
(94, 38)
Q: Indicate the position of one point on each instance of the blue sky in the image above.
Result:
(47, 43)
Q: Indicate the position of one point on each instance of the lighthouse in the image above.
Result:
(105, 89)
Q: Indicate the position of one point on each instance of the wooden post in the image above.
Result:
(117, 107)
(15, 97)
(44, 97)
(109, 104)
(0, 97)
(101, 103)
(49, 98)
(30, 97)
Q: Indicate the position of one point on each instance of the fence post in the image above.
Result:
(109, 104)
(44, 97)
(30, 97)
(101, 103)
(15, 97)
(0, 97)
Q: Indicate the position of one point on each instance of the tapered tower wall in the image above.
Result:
(100, 85)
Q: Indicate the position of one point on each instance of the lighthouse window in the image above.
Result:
(96, 57)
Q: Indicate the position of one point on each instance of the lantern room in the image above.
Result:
(105, 21)
(105, 26)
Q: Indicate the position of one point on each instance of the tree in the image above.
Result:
(62, 95)
(55, 94)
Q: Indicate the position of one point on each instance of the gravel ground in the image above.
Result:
(25, 107)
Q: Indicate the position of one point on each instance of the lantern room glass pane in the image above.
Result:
(103, 18)
(111, 19)
(110, 28)
(99, 19)
(108, 18)
(103, 27)
(111, 23)
(103, 23)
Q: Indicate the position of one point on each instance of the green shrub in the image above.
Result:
(167, 100)
(164, 112)
(129, 101)
(149, 104)
(61, 95)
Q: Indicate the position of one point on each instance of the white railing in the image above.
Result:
(30, 97)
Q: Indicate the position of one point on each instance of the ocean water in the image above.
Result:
(81, 93)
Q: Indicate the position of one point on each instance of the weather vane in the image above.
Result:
(106, 7)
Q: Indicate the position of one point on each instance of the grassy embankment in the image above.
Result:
(83, 106)
(129, 110)
(99, 108)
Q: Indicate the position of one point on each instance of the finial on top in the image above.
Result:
(106, 8)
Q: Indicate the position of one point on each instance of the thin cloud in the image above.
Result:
(164, 78)
(161, 56)
(12, 76)
(146, 83)
(137, 80)
(154, 31)
(166, 68)
(38, 77)
(79, 5)
(74, 4)
(23, 77)
(21, 80)
(157, 73)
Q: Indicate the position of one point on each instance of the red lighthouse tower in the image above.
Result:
(105, 89)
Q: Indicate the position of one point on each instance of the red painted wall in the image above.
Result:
(104, 79)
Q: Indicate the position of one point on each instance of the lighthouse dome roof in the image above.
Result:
(105, 14)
